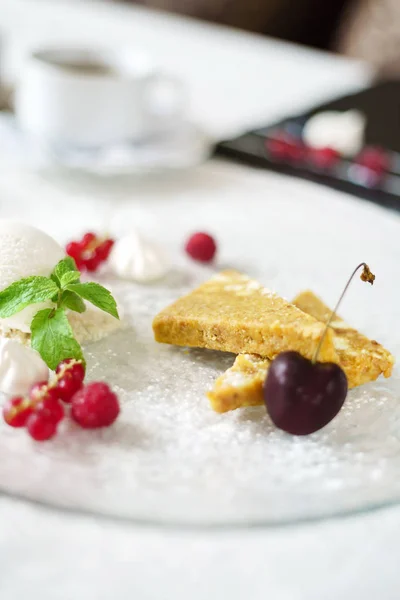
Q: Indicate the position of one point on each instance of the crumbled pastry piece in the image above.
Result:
(241, 385)
(234, 313)
(362, 360)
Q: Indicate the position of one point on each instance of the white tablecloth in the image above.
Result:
(235, 80)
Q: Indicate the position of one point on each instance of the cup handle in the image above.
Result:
(164, 98)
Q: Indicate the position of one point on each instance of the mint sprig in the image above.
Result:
(53, 338)
(52, 335)
(72, 301)
(97, 295)
(64, 267)
(24, 292)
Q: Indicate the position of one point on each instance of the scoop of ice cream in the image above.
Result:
(133, 257)
(25, 251)
(20, 367)
(342, 131)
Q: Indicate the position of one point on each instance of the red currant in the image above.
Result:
(95, 405)
(41, 390)
(16, 411)
(50, 409)
(87, 239)
(90, 252)
(70, 375)
(201, 247)
(41, 427)
(80, 263)
(104, 249)
(92, 264)
(74, 250)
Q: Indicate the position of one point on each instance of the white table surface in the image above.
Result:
(235, 80)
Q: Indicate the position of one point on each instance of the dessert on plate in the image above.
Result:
(26, 251)
(46, 311)
(234, 313)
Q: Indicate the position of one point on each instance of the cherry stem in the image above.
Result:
(366, 275)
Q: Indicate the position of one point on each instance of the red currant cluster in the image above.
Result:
(288, 148)
(92, 406)
(368, 168)
(90, 252)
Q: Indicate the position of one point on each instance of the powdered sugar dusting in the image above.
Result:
(170, 458)
(234, 378)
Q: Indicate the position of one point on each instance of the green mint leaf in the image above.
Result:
(66, 265)
(72, 301)
(97, 295)
(53, 337)
(24, 292)
(69, 277)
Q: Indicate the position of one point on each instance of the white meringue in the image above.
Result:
(136, 258)
(20, 367)
(25, 251)
(342, 131)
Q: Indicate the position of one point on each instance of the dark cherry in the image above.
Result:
(301, 396)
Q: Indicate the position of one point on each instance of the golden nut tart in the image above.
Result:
(362, 360)
(234, 313)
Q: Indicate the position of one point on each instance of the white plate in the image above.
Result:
(170, 458)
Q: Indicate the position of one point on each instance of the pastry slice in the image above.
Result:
(362, 360)
(234, 313)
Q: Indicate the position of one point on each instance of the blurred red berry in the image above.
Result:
(95, 405)
(201, 247)
(16, 411)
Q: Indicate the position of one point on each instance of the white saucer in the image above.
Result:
(184, 147)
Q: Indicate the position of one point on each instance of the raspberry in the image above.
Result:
(201, 247)
(95, 405)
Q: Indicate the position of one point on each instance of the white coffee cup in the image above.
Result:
(90, 98)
